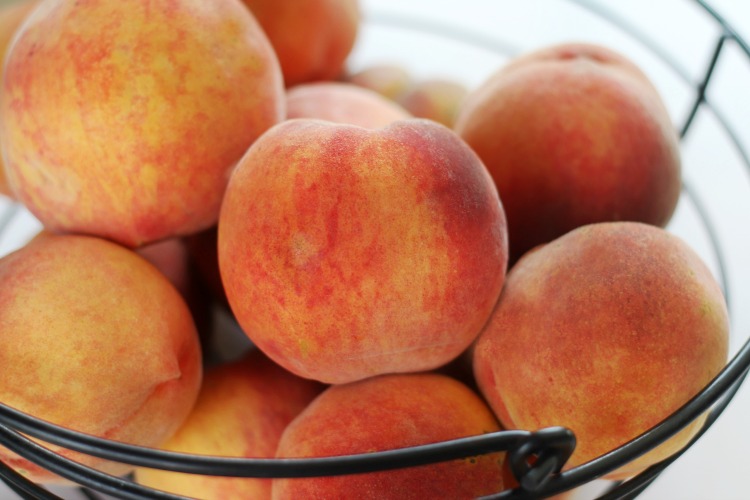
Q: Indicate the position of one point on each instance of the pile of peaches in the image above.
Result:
(410, 261)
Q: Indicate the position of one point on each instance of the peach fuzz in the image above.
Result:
(347, 252)
(343, 103)
(95, 339)
(124, 119)
(11, 17)
(242, 410)
(390, 412)
(607, 331)
(312, 38)
(573, 134)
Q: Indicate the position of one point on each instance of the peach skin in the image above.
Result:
(11, 17)
(388, 412)
(242, 410)
(606, 330)
(348, 252)
(124, 119)
(343, 103)
(573, 134)
(96, 339)
(312, 38)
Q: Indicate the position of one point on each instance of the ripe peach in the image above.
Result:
(11, 17)
(342, 103)
(435, 98)
(388, 412)
(242, 409)
(95, 339)
(573, 134)
(348, 252)
(388, 80)
(124, 119)
(312, 38)
(606, 330)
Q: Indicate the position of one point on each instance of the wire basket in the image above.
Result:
(714, 230)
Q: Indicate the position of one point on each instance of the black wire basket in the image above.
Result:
(536, 456)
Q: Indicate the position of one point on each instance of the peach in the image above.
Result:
(11, 17)
(348, 252)
(96, 339)
(242, 410)
(388, 80)
(573, 134)
(172, 258)
(606, 330)
(389, 412)
(312, 38)
(342, 103)
(437, 99)
(124, 119)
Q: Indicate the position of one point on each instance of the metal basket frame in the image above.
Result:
(536, 458)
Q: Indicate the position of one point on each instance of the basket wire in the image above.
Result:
(549, 447)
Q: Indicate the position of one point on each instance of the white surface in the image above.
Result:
(715, 467)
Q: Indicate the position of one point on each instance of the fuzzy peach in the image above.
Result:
(96, 339)
(348, 252)
(124, 119)
(342, 103)
(573, 134)
(242, 410)
(312, 38)
(11, 17)
(607, 331)
(389, 412)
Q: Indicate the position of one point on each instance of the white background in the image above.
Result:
(716, 467)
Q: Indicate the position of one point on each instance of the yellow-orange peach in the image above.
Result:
(388, 80)
(389, 412)
(96, 339)
(342, 103)
(438, 99)
(11, 17)
(348, 252)
(606, 330)
(312, 38)
(124, 119)
(573, 134)
(242, 410)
